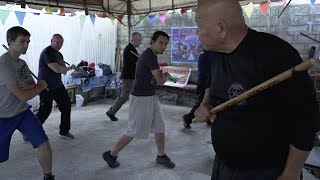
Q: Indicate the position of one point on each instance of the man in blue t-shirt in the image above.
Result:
(51, 66)
(268, 136)
(203, 74)
(145, 114)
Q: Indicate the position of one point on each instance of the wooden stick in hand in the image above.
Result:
(263, 86)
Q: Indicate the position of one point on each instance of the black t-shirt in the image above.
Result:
(142, 84)
(129, 62)
(257, 132)
(47, 56)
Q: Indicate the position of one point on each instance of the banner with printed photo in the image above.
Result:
(179, 75)
(185, 45)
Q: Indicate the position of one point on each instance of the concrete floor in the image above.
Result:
(80, 159)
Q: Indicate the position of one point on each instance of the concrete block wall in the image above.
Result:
(295, 19)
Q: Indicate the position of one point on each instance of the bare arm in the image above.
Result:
(202, 113)
(58, 68)
(207, 98)
(161, 79)
(30, 85)
(26, 94)
(294, 165)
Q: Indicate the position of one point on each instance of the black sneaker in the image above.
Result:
(48, 177)
(67, 136)
(165, 161)
(111, 160)
(111, 116)
(186, 121)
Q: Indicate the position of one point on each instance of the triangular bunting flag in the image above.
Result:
(93, 18)
(183, 10)
(282, 2)
(152, 19)
(141, 19)
(104, 14)
(163, 18)
(4, 15)
(48, 10)
(120, 18)
(20, 16)
(264, 7)
(62, 13)
(249, 9)
(194, 9)
(313, 1)
(82, 20)
(112, 19)
(72, 13)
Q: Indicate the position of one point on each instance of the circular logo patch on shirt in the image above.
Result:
(235, 90)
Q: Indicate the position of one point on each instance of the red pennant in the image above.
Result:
(120, 18)
(183, 10)
(264, 7)
(104, 14)
(62, 13)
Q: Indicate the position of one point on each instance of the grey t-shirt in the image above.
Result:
(142, 85)
(12, 70)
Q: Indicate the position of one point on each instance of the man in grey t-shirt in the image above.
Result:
(16, 87)
(145, 114)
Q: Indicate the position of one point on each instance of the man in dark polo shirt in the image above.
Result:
(268, 136)
(51, 66)
(127, 74)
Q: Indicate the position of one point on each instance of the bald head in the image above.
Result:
(222, 21)
(136, 39)
(57, 41)
(228, 10)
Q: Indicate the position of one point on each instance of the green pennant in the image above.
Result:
(82, 20)
(4, 15)
(141, 19)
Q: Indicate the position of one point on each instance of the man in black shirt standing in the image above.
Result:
(127, 74)
(51, 66)
(268, 136)
(145, 113)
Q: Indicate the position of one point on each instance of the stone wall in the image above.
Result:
(295, 19)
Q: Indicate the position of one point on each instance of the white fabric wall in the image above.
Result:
(92, 43)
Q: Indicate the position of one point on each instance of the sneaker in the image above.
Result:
(186, 121)
(48, 177)
(165, 161)
(111, 116)
(111, 160)
(67, 136)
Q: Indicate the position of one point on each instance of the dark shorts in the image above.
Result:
(28, 124)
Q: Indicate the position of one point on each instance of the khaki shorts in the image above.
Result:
(145, 116)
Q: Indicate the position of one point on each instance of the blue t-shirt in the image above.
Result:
(204, 64)
(47, 56)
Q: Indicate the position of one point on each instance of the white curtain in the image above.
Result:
(92, 43)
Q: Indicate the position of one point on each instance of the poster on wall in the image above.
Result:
(185, 45)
